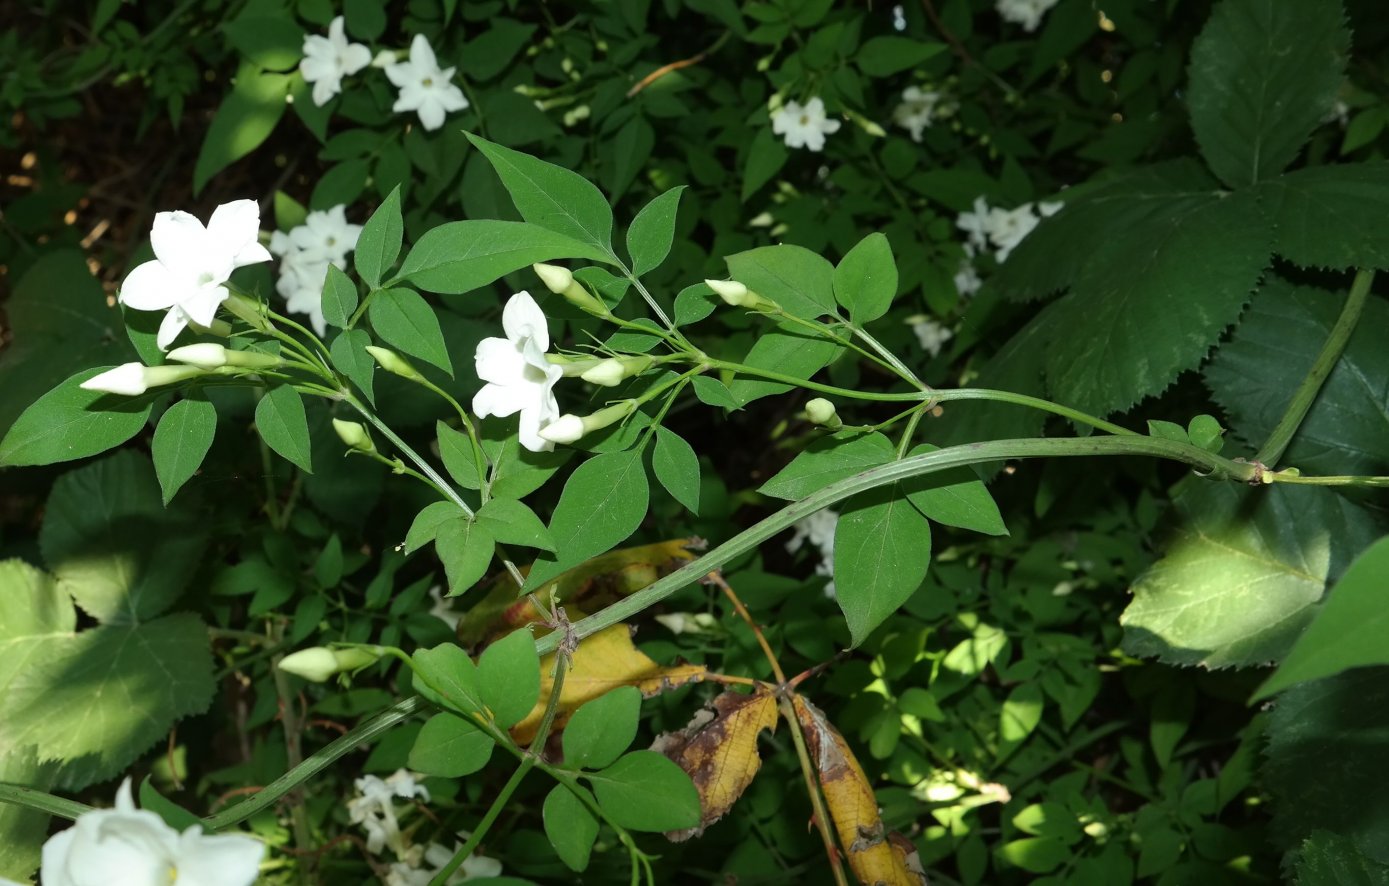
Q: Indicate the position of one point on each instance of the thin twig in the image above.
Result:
(675, 66)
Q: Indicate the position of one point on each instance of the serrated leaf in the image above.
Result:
(569, 826)
(348, 351)
(865, 281)
(603, 503)
(551, 196)
(378, 246)
(1253, 377)
(509, 677)
(405, 321)
(110, 543)
(514, 523)
(600, 730)
(677, 468)
(69, 423)
(450, 746)
(339, 297)
(1264, 73)
(829, 460)
(447, 677)
(882, 548)
(653, 230)
(1242, 574)
(1327, 216)
(1349, 630)
(284, 426)
(1328, 859)
(644, 791)
(956, 497)
(459, 257)
(465, 549)
(181, 443)
(800, 281)
(718, 750)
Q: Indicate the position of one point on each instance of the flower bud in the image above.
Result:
(822, 412)
(253, 312)
(561, 281)
(614, 370)
(214, 356)
(385, 58)
(555, 278)
(572, 366)
(568, 428)
(394, 363)
(219, 328)
(354, 435)
(133, 379)
(318, 663)
(739, 296)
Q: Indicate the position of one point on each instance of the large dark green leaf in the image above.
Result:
(882, 547)
(603, 503)
(69, 423)
(1330, 216)
(462, 256)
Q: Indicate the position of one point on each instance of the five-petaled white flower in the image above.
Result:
(324, 238)
(328, 59)
(931, 335)
(191, 265)
(920, 108)
(1027, 13)
(425, 88)
(804, 126)
(135, 847)
(374, 809)
(519, 378)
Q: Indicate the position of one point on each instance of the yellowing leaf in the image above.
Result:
(876, 857)
(719, 751)
(603, 662)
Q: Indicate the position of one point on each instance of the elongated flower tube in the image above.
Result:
(615, 370)
(394, 363)
(561, 281)
(133, 379)
(207, 355)
(569, 428)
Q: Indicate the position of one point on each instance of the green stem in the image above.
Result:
(32, 798)
(1306, 393)
(479, 457)
(1207, 463)
(404, 447)
(897, 365)
(361, 309)
(651, 302)
(906, 442)
(1285, 477)
(944, 395)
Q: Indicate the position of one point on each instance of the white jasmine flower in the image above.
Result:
(967, 280)
(442, 609)
(1027, 13)
(804, 126)
(425, 88)
(132, 847)
(976, 225)
(374, 809)
(929, 333)
(191, 265)
(328, 59)
(519, 378)
(920, 108)
(1010, 227)
(306, 250)
(1001, 230)
(899, 18)
(817, 529)
(474, 867)
(326, 235)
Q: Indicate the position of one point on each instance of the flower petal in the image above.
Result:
(496, 400)
(180, 241)
(432, 113)
(222, 859)
(499, 362)
(422, 54)
(233, 230)
(529, 432)
(152, 287)
(522, 318)
(173, 323)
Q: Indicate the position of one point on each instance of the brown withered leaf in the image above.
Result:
(876, 857)
(719, 751)
(602, 662)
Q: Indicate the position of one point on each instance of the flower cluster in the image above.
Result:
(1000, 230)
(136, 848)
(1027, 13)
(433, 858)
(375, 809)
(929, 333)
(804, 126)
(425, 88)
(325, 238)
(817, 529)
(920, 108)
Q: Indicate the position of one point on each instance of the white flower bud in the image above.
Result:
(218, 327)
(822, 412)
(354, 435)
(561, 281)
(133, 379)
(384, 59)
(614, 370)
(206, 356)
(556, 279)
(731, 291)
(394, 363)
(566, 429)
(314, 664)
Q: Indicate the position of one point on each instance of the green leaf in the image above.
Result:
(69, 423)
(23, 831)
(459, 459)
(645, 791)
(865, 282)
(348, 351)
(789, 351)
(405, 320)
(1242, 574)
(104, 694)
(765, 157)
(885, 56)
(694, 303)
(882, 547)
(829, 460)
(181, 443)
(465, 549)
(712, 392)
(652, 231)
(677, 468)
(1165, 286)
(1253, 377)
(624, 155)
(110, 543)
(509, 677)
(174, 815)
(1205, 431)
(513, 523)
(366, 19)
(956, 497)
(273, 42)
(447, 677)
(603, 503)
(245, 118)
(1328, 859)
(459, 257)
(602, 729)
(490, 52)
(1349, 630)
(339, 297)
(1306, 206)
(1036, 855)
(289, 213)
(551, 196)
(1264, 73)
(799, 280)
(283, 425)
(570, 827)
(378, 246)
(517, 472)
(450, 746)
(425, 527)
